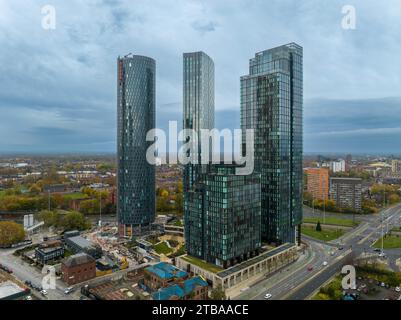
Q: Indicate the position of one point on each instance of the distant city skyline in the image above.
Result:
(58, 86)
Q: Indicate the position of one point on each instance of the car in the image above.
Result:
(397, 289)
(268, 296)
(28, 298)
(363, 286)
(43, 292)
(310, 268)
(325, 263)
(341, 248)
(382, 284)
(377, 250)
(68, 290)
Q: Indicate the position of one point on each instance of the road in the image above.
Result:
(292, 276)
(25, 272)
(297, 282)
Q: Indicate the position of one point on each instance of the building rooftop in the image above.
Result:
(166, 271)
(346, 179)
(254, 260)
(49, 249)
(81, 242)
(179, 291)
(78, 259)
(10, 290)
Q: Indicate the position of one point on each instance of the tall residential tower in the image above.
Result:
(136, 116)
(198, 97)
(198, 113)
(271, 103)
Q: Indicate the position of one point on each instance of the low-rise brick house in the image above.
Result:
(78, 268)
(162, 275)
(195, 288)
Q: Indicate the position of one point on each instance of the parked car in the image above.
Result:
(325, 263)
(43, 293)
(397, 289)
(310, 268)
(68, 290)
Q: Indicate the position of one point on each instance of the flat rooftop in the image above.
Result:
(254, 260)
(80, 241)
(10, 290)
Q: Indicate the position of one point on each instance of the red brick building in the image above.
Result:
(78, 268)
(318, 182)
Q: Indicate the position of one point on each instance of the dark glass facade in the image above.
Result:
(136, 116)
(198, 103)
(272, 103)
(223, 216)
(198, 113)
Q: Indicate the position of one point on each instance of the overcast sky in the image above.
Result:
(58, 87)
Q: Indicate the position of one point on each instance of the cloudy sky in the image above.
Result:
(58, 87)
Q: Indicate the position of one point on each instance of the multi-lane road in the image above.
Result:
(301, 279)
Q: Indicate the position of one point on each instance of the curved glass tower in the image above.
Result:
(136, 116)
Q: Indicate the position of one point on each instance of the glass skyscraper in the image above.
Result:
(135, 117)
(198, 103)
(272, 103)
(198, 113)
(224, 211)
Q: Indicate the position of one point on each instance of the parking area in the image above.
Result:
(370, 289)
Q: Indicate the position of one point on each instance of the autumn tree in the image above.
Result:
(218, 293)
(10, 233)
(75, 221)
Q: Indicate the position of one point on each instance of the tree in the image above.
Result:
(308, 198)
(11, 232)
(90, 206)
(50, 218)
(218, 293)
(74, 220)
(178, 203)
(393, 198)
(179, 188)
(318, 227)
(34, 189)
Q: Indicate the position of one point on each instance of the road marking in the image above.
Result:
(281, 280)
(316, 274)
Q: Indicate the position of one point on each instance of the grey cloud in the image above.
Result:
(66, 78)
(204, 26)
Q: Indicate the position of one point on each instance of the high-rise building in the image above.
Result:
(346, 192)
(271, 104)
(223, 217)
(198, 113)
(317, 182)
(396, 166)
(198, 103)
(348, 162)
(136, 116)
